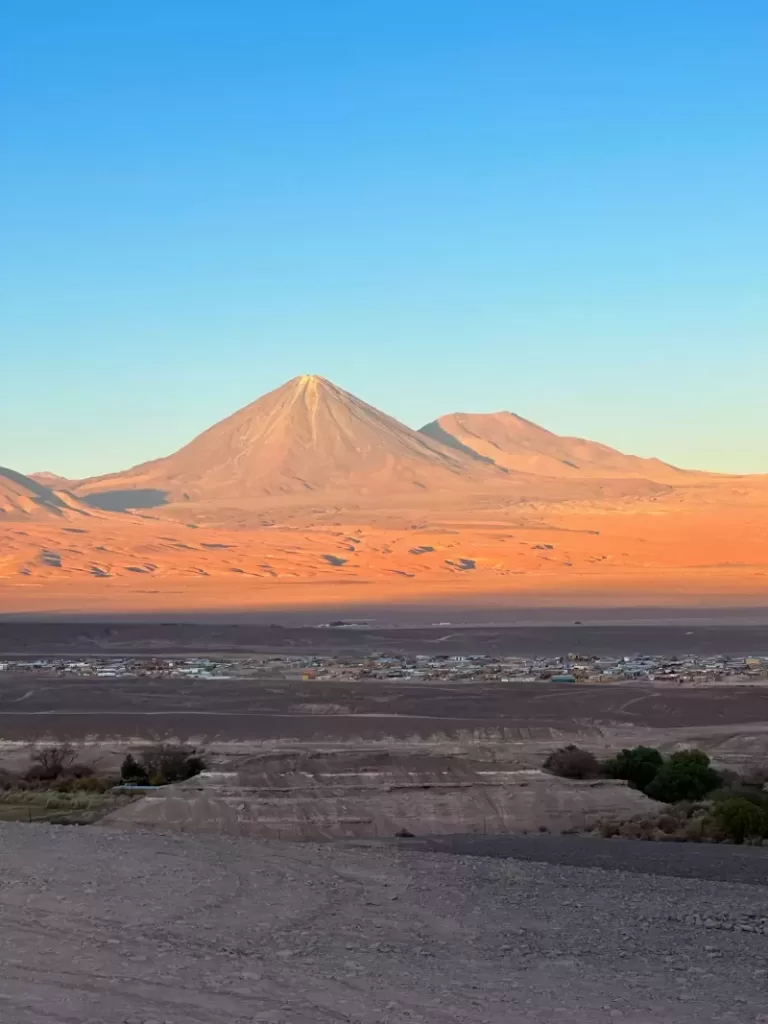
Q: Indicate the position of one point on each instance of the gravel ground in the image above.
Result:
(748, 864)
(103, 927)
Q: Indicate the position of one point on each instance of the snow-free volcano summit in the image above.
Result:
(306, 437)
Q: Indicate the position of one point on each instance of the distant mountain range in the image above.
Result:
(309, 438)
(309, 497)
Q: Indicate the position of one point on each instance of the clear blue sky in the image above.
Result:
(558, 207)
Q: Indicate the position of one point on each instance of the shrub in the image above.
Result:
(740, 819)
(572, 762)
(638, 765)
(682, 823)
(158, 766)
(50, 763)
(132, 773)
(687, 775)
(91, 784)
(174, 764)
(758, 797)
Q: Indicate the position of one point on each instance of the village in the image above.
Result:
(680, 670)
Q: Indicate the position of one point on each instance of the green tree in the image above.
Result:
(687, 775)
(740, 819)
(638, 765)
(132, 772)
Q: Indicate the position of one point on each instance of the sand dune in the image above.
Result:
(640, 550)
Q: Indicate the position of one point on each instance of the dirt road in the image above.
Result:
(101, 927)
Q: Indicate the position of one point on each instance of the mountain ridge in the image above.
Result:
(307, 436)
(24, 498)
(309, 440)
(519, 445)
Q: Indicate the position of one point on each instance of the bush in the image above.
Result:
(91, 784)
(687, 775)
(132, 773)
(49, 763)
(572, 762)
(682, 823)
(158, 766)
(174, 764)
(638, 766)
(740, 819)
(758, 797)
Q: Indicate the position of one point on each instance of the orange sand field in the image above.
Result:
(595, 556)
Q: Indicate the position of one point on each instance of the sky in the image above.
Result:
(553, 207)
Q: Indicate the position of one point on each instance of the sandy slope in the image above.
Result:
(713, 547)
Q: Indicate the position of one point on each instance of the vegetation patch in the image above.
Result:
(56, 788)
(159, 766)
(59, 789)
(704, 805)
(572, 762)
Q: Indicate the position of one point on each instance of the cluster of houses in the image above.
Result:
(568, 668)
(683, 669)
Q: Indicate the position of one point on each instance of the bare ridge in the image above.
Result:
(518, 445)
(21, 497)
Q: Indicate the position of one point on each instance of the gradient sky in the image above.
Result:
(549, 206)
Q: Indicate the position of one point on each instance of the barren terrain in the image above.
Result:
(252, 711)
(615, 632)
(589, 557)
(107, 926)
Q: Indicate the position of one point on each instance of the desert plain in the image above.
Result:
(423, 904)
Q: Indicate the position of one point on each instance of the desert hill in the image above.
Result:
(21, 497)
(305, 438)
(518, 445)
(53, 480)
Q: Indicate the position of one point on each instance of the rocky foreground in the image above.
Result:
(102, 927)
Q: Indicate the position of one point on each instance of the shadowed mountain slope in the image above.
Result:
(23, 498)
